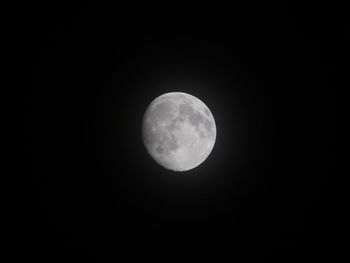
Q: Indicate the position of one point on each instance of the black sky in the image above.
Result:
(267, 74)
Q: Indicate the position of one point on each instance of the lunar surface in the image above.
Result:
(178, 131)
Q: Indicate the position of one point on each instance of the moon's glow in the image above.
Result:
(178, 131)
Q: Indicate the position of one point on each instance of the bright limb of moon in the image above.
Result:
(179, 131)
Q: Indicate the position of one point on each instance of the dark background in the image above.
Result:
(266, 72)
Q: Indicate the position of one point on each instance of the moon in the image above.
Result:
(178, 131)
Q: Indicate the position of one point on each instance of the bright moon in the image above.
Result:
(178, 131)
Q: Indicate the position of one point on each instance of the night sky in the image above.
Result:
(266, 72)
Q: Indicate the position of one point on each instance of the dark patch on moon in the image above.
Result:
(171, 142)
(208, 125)
(194, 117)
(174, 123)
(159, 150)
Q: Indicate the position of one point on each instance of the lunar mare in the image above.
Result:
(178, 131)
